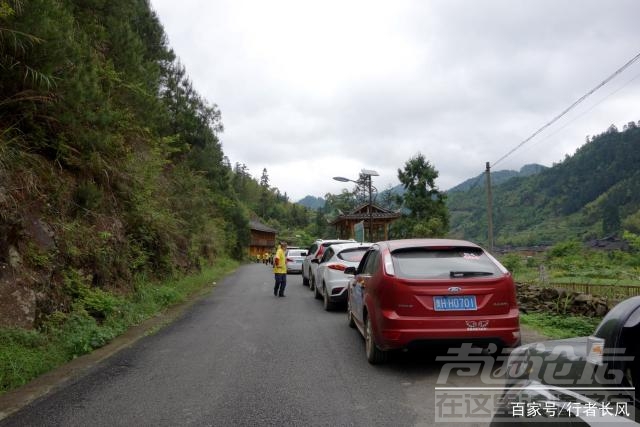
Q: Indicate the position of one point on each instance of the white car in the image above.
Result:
(330, 280)
(315, 251)
(294, 258)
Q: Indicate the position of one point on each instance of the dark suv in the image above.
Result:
(570, 378)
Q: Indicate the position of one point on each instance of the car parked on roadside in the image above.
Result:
(316, 250)
(412, 292)
(567, 379)
(294, 258)
(330, 279)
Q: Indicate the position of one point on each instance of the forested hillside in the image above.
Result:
(592, 194)
(497, 177)
(111, 164)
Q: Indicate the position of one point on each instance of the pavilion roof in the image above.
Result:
(361, 213)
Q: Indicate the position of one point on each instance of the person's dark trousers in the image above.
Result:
(281, 283)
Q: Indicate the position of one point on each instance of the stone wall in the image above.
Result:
(534, 299)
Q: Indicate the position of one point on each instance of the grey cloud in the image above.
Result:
(463, 81)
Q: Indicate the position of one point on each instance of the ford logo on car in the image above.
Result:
(455, 289)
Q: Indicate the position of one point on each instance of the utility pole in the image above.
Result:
(370, 213)
(489, 209)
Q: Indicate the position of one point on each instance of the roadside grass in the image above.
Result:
(557, 326)
(97, 317)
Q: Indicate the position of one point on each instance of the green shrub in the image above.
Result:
(512, 262)
(88, 196)
(100, 304)
(560, 326)
(37, 257)
(564, 249)
(96, 302)
(81, 334)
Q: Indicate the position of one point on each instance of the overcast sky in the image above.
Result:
(315, 89)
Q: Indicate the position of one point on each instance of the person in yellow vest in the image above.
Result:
(280, 270)
(258, 257)
(265, 257)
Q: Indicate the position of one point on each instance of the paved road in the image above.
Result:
(241, 356)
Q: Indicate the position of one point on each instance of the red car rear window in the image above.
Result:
(443, 263)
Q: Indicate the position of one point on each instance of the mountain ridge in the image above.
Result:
(497, 178)
(593, 193)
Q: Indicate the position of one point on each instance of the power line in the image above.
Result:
(589, 109)
(482, 174)
(571, 107)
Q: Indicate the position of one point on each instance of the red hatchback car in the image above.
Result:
(426, 291)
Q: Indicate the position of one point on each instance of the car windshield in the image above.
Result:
(297, 253)
(442, 263)
(352, 255)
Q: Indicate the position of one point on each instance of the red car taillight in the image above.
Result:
(339, 267)
(388, 264)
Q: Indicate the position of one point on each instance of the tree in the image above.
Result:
(427, 214)
(388, 199)
(191, 120)
(632, 223)
(265, 196)
(611, 223)
(14, 46)
(344, 202)
(264, 179)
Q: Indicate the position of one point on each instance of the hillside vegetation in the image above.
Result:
(111, 166)
(594, 193)
(497, 177)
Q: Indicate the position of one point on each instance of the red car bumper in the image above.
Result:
(392, 331)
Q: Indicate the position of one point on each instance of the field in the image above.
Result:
(611, 274)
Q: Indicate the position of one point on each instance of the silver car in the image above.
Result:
(294, 259)
(330, 279)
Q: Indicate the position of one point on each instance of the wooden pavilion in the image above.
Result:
(377, 216)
